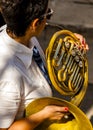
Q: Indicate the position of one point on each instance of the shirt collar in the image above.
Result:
(22, 52)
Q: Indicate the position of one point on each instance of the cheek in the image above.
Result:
(42, 26)
(43, 23)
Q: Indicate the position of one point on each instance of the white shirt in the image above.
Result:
(21, 81)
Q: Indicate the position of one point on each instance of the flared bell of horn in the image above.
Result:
(74, 120)
(67, 65)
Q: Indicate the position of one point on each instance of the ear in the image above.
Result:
(35, 23)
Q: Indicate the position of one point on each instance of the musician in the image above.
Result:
(21, 79)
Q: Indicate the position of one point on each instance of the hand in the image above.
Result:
(53, 112)
(82, 40)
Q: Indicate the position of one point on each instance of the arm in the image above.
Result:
(9, 107)
(31, 122)
(3, 129)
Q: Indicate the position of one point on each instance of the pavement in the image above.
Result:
(76, 13)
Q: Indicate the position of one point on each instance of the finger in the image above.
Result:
(82, 40)
(57, 116)
(61, 109)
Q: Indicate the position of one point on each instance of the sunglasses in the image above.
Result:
(47, 15)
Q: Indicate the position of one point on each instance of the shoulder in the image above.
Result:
(9, 73)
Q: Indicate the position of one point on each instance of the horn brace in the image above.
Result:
(68, 71)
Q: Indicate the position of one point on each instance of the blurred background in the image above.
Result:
(76, 16)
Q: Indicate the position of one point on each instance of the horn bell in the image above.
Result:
(74, 120)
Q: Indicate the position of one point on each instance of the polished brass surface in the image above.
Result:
(74, 120)
(67, 65)
(68, 71)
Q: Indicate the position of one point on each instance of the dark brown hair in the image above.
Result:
(18, 14)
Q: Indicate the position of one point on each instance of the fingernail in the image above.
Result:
(83, 42)
(66, 109)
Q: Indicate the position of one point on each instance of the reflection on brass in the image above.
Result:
(68, 71)
(74, 120)
(67, 65)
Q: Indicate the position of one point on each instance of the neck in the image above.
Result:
(22, 40)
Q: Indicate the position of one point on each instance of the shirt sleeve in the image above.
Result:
(9, 103)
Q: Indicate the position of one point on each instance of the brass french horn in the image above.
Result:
(67, 65)
(68, 71)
